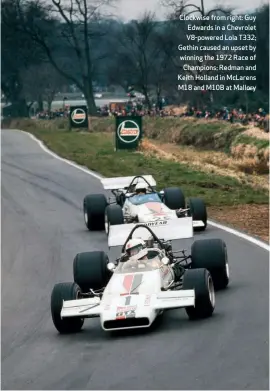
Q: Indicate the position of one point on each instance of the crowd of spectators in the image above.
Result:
(260, 118)
(53, 114)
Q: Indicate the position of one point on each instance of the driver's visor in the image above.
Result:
(134, 250)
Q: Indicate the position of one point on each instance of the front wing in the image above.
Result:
(144, 304)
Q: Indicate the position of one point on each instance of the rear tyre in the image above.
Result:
(198, 212)
(90, 270)
(174, 198)
(94, 206)
(212, 255)
(201, 281)
(113, 216)
(65, 291)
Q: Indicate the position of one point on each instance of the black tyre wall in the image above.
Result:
(94, 205)
(65, 291)
(212, 255)
(90, 270)
(174, 198)
(197, 279)
(198, 211)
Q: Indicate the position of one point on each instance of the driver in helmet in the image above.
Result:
(141, 188)
(136, 249)
(137, 252)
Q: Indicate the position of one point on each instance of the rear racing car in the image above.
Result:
(137, 200)
(148, 279)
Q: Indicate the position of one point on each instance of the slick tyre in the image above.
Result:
(201, 281)
(113, 216)
(90, 270)
(94, 206)
(65, 291)
(211, 254)
(198, 212)
(174, 198)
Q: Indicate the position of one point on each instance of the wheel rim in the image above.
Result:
(86, 218)
(211, 291)
(107, 225)
(227, 270)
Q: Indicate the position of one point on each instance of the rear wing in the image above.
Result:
(164, 230)
(123, 182)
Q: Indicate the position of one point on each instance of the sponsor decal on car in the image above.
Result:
(147, 300)
(125, 312)
(156, 223)
(131, 283)
(156, 208)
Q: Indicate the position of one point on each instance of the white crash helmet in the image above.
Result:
(141, 186)
(136, 249)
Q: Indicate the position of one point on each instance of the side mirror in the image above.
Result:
(111, 266)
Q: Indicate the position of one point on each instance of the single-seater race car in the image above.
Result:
(148, 279)
(136, 200)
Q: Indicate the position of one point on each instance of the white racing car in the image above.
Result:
(136, 200)
(146, 280)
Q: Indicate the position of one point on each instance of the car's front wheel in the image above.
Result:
(201, 281)
(197, 209)
(113, 216)
(94, 206)
(64, 292)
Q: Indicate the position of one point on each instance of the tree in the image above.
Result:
(41, 83)
(18, 53)
(69, 26)
(138, 50)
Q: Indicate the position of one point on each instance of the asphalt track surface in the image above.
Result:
(43, 229)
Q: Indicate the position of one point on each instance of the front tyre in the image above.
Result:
(201, 281)
(94, 206)
(197, 209)
(65, 291)
(113, 216)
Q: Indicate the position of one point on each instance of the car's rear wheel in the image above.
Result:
(174, 198)
(94, 206)
(90, 270)
(65, 291)
(113, 216)
(201, 281)
(198, 212)
(212, 255)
